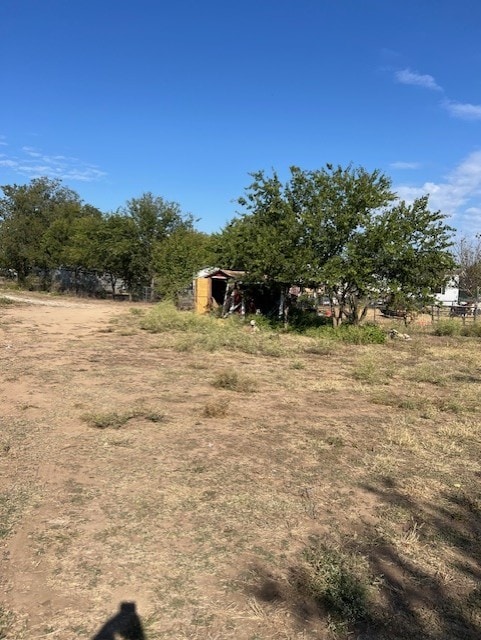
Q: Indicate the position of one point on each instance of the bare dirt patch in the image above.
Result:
(231, 495)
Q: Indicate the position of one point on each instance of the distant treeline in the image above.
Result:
(50, 238)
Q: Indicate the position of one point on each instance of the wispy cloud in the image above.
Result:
(30, 151)
(458, 195)
(406, 76)
(3, 142)
(33, 163)
(404, 165)
(464, 111)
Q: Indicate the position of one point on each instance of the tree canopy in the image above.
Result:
(153, 220)
(342, 229)
(34, 224)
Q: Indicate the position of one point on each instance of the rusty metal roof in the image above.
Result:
(220, 274)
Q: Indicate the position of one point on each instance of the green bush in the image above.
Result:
(472, 330)
(447, 328)
(361, 334)
(302, 319)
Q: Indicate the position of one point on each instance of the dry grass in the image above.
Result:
(287, 488)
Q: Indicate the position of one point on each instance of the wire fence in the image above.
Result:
(466, 313)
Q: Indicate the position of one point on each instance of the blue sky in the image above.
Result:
(185, 98)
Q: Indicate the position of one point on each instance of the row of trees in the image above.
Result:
(150, 242)
(340, 228)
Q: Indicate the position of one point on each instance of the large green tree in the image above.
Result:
(342, 229)
(400, 253)
(154, 220)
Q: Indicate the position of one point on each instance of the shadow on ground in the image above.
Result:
(419, 578)
(125, 624)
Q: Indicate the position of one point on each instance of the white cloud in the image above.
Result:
(406, 76)
(458, 195)
(473, 215)
(30, 151)
(33, 163)
(404, 165)
(11, 164)
(462, 110)
(465, 111)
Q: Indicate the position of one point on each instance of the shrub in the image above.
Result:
(447, 328)
(301, 320)
(361, 334)
(472, 330)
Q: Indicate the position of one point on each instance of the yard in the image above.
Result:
(231, 484)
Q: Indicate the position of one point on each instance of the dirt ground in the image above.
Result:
(104, 516)
(127, 477)
(51, 353)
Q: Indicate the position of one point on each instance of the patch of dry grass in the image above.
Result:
(231, 380)
(117, 419)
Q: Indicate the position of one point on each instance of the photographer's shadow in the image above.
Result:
(126, 624)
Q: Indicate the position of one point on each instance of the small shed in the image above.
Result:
(210, 287)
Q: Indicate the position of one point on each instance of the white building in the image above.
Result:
(448, 294)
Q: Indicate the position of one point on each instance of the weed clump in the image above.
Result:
(372, 371)
(452, 327)
(338, 581)
(5, 302)
(215, 409)
(166, 317)
(232, 381)
(6, 621)
(111, 420)
(116, 420)
(191, 332)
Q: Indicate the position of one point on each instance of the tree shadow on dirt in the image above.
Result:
(420, 580)
(125, 624)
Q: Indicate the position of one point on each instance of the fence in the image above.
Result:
(466, 313)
